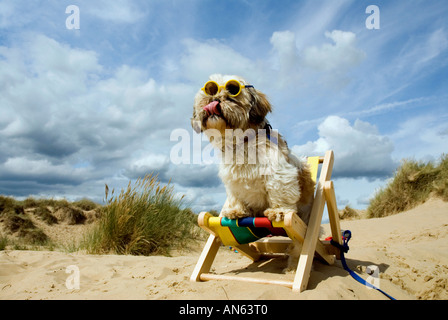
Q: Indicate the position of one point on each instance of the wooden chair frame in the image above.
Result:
(296, 229)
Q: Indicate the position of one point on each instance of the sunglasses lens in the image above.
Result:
(211, 88)
(233, 87)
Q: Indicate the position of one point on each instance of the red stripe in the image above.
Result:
(262, 222)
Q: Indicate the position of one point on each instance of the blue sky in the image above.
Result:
(82, 108)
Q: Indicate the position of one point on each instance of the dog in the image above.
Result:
(271, 182)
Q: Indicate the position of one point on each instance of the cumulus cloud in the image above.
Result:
(328, 63)
(201, 199)
(148, 163)
(42, 171)
(67, 120)
(333, 61)
(285, 49)
(360, 151)
(61, 108)
(285, 62)
(39, 81)
(340, 55)
(201, 59)
(186, 175)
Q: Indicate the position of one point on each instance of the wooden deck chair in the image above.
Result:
(248, 235)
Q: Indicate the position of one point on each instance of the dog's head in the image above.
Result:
(223, 105)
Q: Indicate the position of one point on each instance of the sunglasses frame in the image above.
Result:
(242, 86)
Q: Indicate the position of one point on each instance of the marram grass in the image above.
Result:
(144, 219)
(413, 183)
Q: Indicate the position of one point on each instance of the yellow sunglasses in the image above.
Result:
(233, 87)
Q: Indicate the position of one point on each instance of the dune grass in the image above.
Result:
(348, 213)
(413, 183)
(14, 219)
(144, 219)
(22, 233)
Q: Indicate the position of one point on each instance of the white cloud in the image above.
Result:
(147, 164)
(118, 11)
(284, 46)
(21, 168)
(302, 67)
(61, 108)
(285, 59)
(339, 56)
(284, 62)
(422, 138)
(70, 123)
(315, 17)
(51, 58)
(201, 59)
(201, 199)
(360, 151)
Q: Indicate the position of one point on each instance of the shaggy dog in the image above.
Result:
(261, 176)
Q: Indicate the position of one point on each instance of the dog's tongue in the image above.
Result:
(211, 108)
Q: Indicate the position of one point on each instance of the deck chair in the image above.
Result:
(257, 237)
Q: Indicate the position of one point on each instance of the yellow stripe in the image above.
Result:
(253, 233)
(278, 224)
(224, 233)
(214, 222)
(313, 163)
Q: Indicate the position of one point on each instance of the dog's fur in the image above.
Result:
(251, 191)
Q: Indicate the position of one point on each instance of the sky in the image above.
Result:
(100, 103)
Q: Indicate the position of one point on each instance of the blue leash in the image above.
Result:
(344, 249)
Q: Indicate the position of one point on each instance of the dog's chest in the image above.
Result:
(245, 183)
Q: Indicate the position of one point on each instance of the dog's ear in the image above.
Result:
(260, 107)
(196, 123)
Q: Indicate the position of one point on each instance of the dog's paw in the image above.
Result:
(233, 213)
(289, 270)
(277, 214)
(293, 261)
(292, 268)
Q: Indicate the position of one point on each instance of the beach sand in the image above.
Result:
(410, 249)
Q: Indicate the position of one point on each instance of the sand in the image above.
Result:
(410, 249)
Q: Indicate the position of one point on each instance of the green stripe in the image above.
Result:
(226, 222)
(243, 235)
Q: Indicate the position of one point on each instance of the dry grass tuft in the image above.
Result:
(413, 183)
(144, 219)
(348, 213)
(25, 224)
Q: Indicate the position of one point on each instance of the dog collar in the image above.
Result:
(267, 131)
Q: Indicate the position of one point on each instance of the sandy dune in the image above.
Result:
(410, 249)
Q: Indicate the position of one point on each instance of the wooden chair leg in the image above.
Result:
(333, 214)
(309, 246)
(206, 258)
(312, 233)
